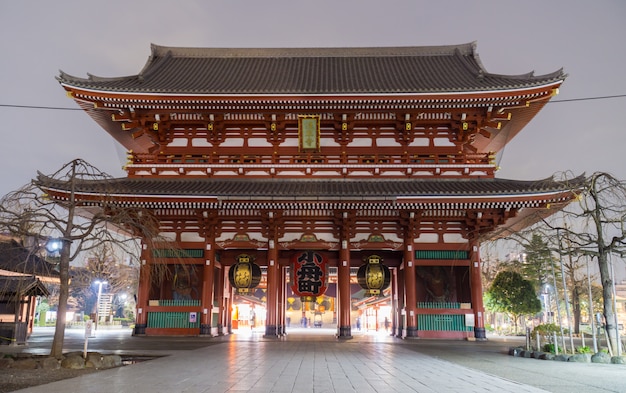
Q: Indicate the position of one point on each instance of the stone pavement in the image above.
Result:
(312, 360)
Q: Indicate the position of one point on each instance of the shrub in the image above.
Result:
(583, 349)
(547, 330)
(548, 348)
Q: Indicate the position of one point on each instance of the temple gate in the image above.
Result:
(343, 153)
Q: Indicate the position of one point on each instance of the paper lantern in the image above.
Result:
(374, 276)
(245, 274)
(308, 275)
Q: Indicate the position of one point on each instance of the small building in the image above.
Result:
(22, 278)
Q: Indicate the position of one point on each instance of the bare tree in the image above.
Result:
(103, 263)
(601, 233)
(49, 207)
(594, 226)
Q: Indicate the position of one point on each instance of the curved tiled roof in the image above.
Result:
(313, 189)
(18, 286)
(316, 71)
(15, 258)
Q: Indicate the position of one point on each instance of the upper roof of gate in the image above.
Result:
(316, 71)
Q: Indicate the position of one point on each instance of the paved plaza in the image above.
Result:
(313, 360)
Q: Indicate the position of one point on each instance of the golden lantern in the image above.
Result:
(245, 274)
(374, 276)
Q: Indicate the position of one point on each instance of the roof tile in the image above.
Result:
(307, 188)
(390, 70)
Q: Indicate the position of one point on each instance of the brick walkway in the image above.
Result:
(301, 363)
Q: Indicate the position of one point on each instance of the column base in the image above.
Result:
(480, 334)
(220, 330)
(270, 331)
(345, 332)
(205, 330)
(140, 329)
(411, 332)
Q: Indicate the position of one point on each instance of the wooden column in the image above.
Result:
(207, 289)
(394, 301)
(282, 300)
(143, 291)
(271, 321)
(219, 293)
(477, 292)
(401, 303)
(343, 292)
(410, 287)
(227, 312)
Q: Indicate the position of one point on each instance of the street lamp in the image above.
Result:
(100, 284)
(54, 245)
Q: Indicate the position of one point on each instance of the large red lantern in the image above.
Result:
(245, 274)
(374, 276)
(308, 275)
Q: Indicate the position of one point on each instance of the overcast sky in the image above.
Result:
(112, 38)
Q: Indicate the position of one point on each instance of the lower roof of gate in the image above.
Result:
(315, 189)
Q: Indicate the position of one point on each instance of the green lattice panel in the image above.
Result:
(441, 254)
(171, 320)
(184, 253)
(442, 322)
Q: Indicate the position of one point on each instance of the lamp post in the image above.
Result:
(54, 245)
(100, 284)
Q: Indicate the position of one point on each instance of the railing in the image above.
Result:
(443, 322)
(441, 254)
(438, 305)
(331, 166)
(175, 302)
(173, 319)
(313, 158)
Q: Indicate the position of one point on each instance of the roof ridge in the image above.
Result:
(261, 52)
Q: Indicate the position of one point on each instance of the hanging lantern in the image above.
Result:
(374, 276)
(308, 275)
(245, 274)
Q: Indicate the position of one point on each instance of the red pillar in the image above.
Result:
(271, 321)
(207, 290)
(143, 292)
(477, 292)
(410, 287)
(227, 308)
(401, 317)
(282, 300)
(222, 304)
(343, 291)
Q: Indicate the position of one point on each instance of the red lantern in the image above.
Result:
(308, 275)
(245, 274)
(374, 276)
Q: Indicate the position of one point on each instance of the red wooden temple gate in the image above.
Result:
(347, 152)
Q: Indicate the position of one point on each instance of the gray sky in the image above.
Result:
(113, 38)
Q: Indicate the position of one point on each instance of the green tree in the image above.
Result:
(537, 266)
(511, 294)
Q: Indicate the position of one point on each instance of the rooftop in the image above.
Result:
(312, 71)
(311, 188)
